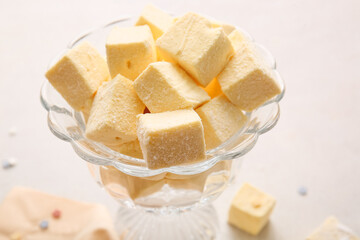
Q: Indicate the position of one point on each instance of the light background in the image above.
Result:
(316, 141)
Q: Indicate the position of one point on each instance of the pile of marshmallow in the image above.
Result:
(169, 89)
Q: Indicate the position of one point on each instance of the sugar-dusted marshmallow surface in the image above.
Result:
(201, 50)
(158, 20)
(250, 209)
(164, 87)
(225, 26)
(130, 50)
(246, 80)
(217, 24)
(112, 118)
(332, 229)
(78, 75)
(171, 138)
(237, 39)
(221, 120)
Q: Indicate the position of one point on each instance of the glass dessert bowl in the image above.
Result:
(169, 202)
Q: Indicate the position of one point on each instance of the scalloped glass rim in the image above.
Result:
(238, 145)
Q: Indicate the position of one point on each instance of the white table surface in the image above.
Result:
(316, 141)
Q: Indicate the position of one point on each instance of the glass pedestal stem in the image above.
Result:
(177, 224)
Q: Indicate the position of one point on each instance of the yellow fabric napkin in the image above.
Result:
(23, 209)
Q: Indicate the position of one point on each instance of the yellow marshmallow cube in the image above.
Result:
(216, 24)
(332, 229)
(171, 138)
(121, 185)
(216, 175)
(112, 118)
(131, 149)
(201, 50)
(78, 75)
(237, 39)
(158, 20)
(250, 209)
(226, 27)
(130, 50)
(221, 120)
(246, 80)
(164, 87)
(213, 89)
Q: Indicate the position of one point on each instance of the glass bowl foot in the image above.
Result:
(148, 224)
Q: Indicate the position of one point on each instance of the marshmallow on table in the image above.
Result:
(78, 75)
(164, 87)
(112, 118)
(332, 229)
(23, 211)
(171, 138)
(250, 209)
(221, 119)
(130, 50)
(158, 20)
(246, 80)
(201, 50)
(131, 149)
